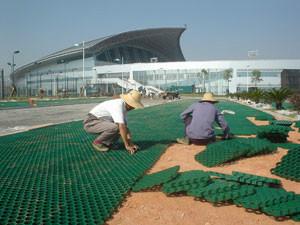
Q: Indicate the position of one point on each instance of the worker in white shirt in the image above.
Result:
(109, 120)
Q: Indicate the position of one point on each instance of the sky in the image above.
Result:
(216, 29)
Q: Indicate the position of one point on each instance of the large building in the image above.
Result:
(150, 60)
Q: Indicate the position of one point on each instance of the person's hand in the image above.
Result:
(131, 149)
(136, 147)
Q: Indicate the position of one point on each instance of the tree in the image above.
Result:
(205, 76)
(256, 77)
(278, 96)
(256, 95)
(227, 76)
(295, 100)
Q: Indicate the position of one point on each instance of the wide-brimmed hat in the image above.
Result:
(133, 98)
(208, 97)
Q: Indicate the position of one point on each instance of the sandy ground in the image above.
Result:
(148, 208)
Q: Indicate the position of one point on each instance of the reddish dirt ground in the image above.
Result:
(148, 208)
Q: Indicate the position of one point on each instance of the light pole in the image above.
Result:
(12, 65)
(122, 62)
(83, 69)
(247, 78)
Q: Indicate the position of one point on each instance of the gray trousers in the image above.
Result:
(108, 130)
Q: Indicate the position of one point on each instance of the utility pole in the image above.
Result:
(2, 83)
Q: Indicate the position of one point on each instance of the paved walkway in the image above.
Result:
(19, 120)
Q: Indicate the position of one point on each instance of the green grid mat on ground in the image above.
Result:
(50, 102)
(53, 175)
(239, 124)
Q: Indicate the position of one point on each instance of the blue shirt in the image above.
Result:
(203, 114)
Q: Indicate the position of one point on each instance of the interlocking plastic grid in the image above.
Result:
(54, 176)
(264, 197)
(289, 166)
(247, 178)
(267, 117)
(284, 208)
(282, 123)
(222, 152)
(186, 181)
(274, 133)
(151, 180)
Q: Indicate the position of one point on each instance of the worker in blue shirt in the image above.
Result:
(199, 119)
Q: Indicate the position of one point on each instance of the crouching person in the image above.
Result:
(199, 119)
(109, 120)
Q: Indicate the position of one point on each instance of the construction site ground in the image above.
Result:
(154, 207)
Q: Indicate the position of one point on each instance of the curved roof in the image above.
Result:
(164, 41)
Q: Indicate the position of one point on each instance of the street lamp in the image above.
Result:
(83, 69)
(12, 65)
(122, 62)
(247, 79)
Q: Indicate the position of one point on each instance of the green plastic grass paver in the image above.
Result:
(274, 133)
(54, 176)
(221, 152)
(264, 197)
(216, 186)
(289, 166)
(296, 217)
(264, 117)
(242, 191)
(284, 208)
(258, 146)
(239, 124)
(297, 124)
(254, 179)
(287, 145)
(224, 151)
(186, 181)
(151, 180)
(282, 123)
(246, 178)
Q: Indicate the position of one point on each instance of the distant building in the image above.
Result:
(149, 60)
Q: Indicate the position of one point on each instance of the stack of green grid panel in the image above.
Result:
(221, 152)
(281, 123)
(155, 179)
(186, 181)
(265, 197)
(258, 146)
(287, 145)
(221, 191)
(297, 124)
(289, 166)
(287, 208)
(274, 133)
(246, 178)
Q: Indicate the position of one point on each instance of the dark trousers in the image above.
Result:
(187, 121)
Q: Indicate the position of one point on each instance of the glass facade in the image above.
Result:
(165, 79)
(129, 54)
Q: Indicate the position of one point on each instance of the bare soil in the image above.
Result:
(148, 208)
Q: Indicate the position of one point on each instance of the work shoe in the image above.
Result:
(100, 147)
(184, 141)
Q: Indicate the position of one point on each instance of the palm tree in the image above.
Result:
(256, 95)
(227, 76)
(278, 96)
(256, 77)
(205, 76)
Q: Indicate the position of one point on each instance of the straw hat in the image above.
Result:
(208, 97)
(133, 98)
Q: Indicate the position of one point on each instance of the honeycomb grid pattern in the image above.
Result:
(53, 176)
